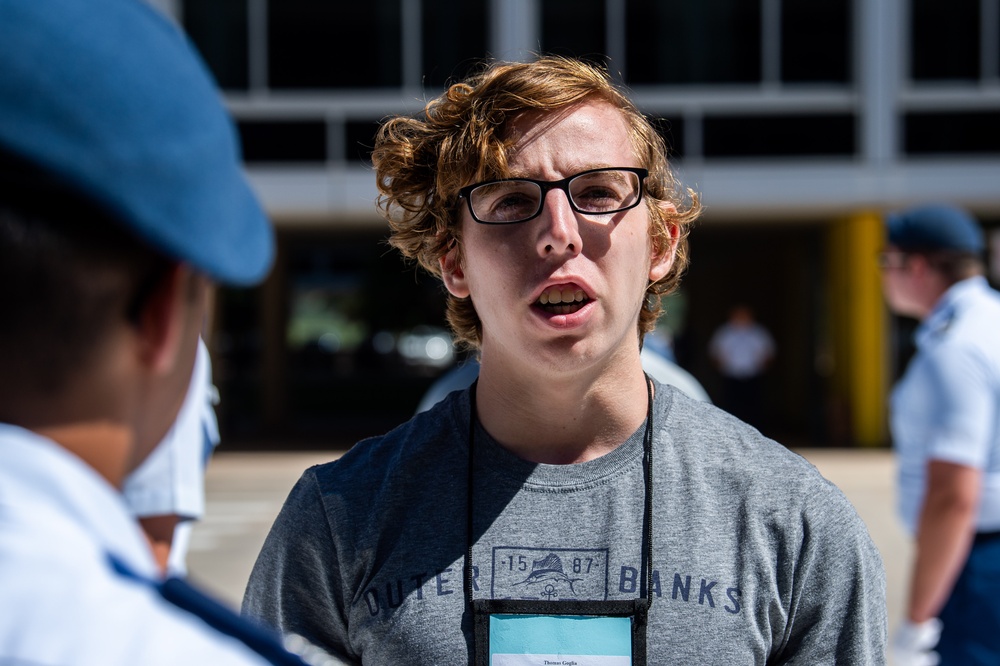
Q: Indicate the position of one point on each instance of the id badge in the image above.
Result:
(512, 632)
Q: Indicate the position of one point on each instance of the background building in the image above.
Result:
(799, 121)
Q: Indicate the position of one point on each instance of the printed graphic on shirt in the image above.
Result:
(553, 574)
(549, 574)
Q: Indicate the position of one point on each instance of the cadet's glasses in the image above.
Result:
(592, 192)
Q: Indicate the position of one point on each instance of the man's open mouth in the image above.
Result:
(562, 300)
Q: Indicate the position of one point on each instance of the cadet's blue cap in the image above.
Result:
(111, 97)
(935, 227)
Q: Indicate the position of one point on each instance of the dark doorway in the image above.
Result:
(778, 271)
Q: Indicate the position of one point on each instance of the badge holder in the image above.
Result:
(534, 632)
(515, 632)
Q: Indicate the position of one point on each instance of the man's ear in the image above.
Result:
(453, 274)
(162, 318)
(663, 258)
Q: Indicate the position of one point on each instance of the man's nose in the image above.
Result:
(560, 233)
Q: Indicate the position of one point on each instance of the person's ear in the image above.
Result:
(161, 321)
(662, 258)
(453, 273)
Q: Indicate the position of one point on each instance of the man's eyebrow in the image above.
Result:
(573, 170)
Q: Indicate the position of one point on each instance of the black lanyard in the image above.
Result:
(636, 609)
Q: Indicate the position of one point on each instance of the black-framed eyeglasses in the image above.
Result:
(592, 192)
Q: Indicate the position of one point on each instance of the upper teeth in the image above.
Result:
(555, 296)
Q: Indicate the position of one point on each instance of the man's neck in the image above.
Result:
(103, 445)
(563, 419)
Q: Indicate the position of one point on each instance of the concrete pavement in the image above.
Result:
(245, 491)
(243, 495)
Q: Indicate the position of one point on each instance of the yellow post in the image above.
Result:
(858, 326)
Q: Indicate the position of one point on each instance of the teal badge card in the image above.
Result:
(560, 640)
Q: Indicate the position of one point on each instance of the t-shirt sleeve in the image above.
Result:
(294, 585)
(837, 610)
(963, 419)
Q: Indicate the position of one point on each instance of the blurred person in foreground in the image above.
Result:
(564, 508)
(122, 198)
(946, 431)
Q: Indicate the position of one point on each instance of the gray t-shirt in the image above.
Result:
(757, 558)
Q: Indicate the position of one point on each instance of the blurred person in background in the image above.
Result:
(946, 431)
(742, 350)
(564, 481)
(655, 365)
(122, 199)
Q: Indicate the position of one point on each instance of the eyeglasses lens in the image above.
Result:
(891, 260)
(507, 201)
(604, 191)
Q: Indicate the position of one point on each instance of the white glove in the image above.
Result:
(913, 643)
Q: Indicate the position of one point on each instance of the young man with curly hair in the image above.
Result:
(565, 508)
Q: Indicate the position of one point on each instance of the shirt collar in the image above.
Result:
(950, 304)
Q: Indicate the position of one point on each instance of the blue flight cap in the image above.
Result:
(935, 227)
(110, 97)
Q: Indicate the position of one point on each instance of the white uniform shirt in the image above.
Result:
(742, 351)
(947, 405)
(61, 601)
(171, 481)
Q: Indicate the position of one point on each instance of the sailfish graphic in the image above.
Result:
(547, 571)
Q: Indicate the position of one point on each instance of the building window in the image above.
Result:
(318, 44)
(288, 141)
(738, 41)
(938, 133)
(575, 28)
(453, 38)
(945, 40)
(219, 30)
(817, 135)
(815, 41)
(682, 42)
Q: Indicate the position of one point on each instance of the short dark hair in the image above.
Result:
(68, 271)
